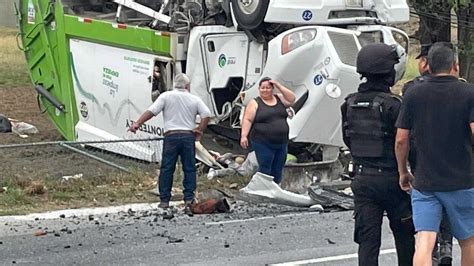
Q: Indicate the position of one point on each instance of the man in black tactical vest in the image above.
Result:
(368, 118)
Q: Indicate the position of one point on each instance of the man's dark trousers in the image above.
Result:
(181, 144)
(373, 194)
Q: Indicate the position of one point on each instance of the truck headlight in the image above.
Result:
(296, 39)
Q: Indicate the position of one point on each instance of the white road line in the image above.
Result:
(332, 258)
(261, 218)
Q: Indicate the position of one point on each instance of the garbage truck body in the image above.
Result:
(94, 60)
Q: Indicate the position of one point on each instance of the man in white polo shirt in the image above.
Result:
(180, 109)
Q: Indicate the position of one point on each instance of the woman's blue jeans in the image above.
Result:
(271, 159)
(174, 145)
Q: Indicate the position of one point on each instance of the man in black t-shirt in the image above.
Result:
(440, 114)
(442, 252)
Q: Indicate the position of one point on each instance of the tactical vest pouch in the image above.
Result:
(365, 127)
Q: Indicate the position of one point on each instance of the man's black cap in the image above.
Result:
(425, 48)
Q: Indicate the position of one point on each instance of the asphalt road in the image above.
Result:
(250, 235)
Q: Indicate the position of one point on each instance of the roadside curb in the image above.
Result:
(83, 212)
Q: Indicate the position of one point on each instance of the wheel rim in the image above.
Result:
(248, 6)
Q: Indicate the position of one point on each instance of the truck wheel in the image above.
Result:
(250, 13)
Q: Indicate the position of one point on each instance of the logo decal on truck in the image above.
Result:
(307, 15)
(222, 60)
(108, 76)
(84, 110)
(318, 79)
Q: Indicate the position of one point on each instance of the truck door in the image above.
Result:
(225, 62)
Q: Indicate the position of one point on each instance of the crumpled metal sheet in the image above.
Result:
(261, 188)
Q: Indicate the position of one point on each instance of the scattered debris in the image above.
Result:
(168, 216)
(348, 192)
(317, 207)
(130, 212)
(261, 188)
(40, 233)
(210, 206)
(174, 240)
(22, 128)
(329, 197)
(236, 165)
(73, 177)
(204, 156)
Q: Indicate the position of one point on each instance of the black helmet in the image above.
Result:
(377, 58)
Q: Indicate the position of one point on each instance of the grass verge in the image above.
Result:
(13, 71)
(19, 196)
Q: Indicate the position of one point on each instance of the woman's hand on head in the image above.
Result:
(275, 83)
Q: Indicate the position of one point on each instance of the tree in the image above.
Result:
(435, 26)
(465, 14)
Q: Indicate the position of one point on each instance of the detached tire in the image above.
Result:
(250, 13)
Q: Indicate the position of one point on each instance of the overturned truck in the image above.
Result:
(94, 63)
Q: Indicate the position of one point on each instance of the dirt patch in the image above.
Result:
(20, 103)
(39, 161)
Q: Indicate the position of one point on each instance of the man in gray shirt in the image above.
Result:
(179, 108)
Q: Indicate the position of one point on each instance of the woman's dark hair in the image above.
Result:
(263, 80)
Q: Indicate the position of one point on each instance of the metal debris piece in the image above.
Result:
(40, 233)
(168, 216)
(261, 188)
(174, 240)
(329, 197)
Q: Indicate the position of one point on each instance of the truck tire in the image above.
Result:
(250, 13)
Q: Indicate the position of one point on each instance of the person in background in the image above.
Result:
(368, 120)
(180, 109)
(439, 112)
(423, 68)
(264, 124)
(158, 85)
